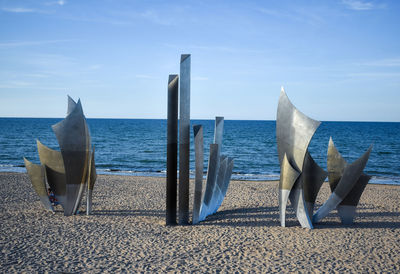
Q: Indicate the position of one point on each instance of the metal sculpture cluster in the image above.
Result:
(218, 173)
(69, 171)
(301, 178)
(219, 168)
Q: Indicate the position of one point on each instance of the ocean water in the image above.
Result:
(138, 147)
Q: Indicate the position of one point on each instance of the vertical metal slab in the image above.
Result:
(210, 181)
(83, 185)
(199, 167)
(184, 139)
(172, 150)
(91, 181)
(219, 131)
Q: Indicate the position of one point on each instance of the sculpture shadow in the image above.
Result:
(138, 212)
(368, 220)
(251, 217)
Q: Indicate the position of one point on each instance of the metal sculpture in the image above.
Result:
(347, 182)
(172, 149)
(219, 167)
(184, 139)
(218, 175)
(69, 170)
(294, 131)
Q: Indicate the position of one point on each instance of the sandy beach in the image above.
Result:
(127, 232)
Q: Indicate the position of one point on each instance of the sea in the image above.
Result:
(137, 147)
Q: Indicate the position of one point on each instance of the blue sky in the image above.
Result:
(338, 60)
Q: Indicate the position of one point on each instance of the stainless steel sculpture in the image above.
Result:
(218, 176)
(172, 149)
(294, 131)
(68, 171)
(184, 139)
(347, 182)
(74, 141)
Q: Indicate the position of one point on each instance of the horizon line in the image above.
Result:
(205, 119)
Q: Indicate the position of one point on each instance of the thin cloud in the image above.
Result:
(18, 10)
(358, 5)
(392, 62)
(368, 75)
(30, 43)
(303, 15)
(59, 2)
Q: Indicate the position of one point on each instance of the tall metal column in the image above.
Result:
(184, 139)
(172, 149)
(199, 162)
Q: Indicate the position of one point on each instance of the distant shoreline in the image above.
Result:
(163, 175)
(197, 119)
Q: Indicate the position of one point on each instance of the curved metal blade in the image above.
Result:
(294, 131)
(37, 175)
(336, 165)
(350, 176)
(55, 173)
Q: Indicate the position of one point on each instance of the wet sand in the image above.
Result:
(127, 232)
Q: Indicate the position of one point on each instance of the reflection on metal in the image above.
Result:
(312, 176)
(218, 175)
(37, 175)
(199, 166)
(225, 183)
(184, 139)
(294, 131)
(68, 171)
(172, 149)
(347, 183)
(354, 187)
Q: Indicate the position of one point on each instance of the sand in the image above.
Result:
(127, 233)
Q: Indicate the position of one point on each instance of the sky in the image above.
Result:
(338, 60)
